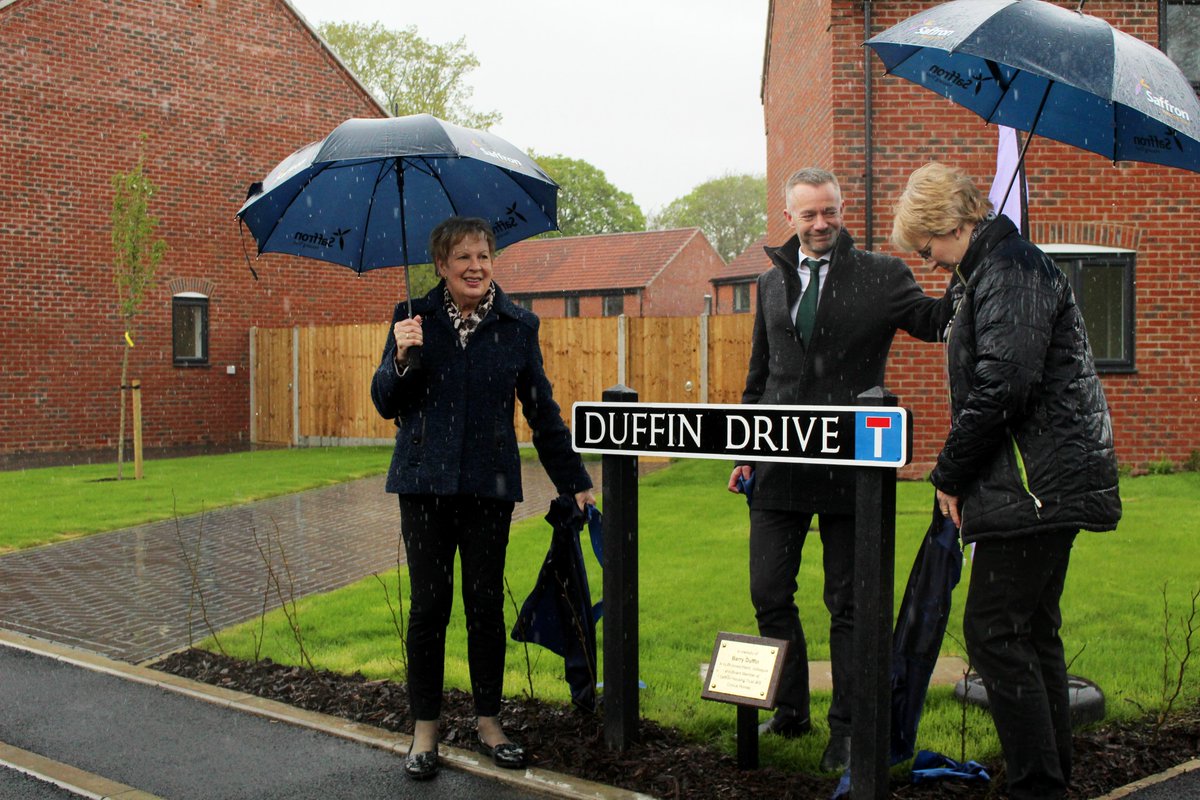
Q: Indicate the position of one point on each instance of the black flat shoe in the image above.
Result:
(837, 754)
(508, 755)
(786, 725)
(422, 766)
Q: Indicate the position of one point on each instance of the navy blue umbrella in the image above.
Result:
(558, 614)
(1054, 72)
(370, 193)
(920, 628)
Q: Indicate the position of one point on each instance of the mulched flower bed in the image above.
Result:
(663, 763)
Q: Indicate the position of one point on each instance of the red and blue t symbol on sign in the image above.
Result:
(879, 436)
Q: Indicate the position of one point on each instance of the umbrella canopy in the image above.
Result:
(1057, 73)
(369, 195)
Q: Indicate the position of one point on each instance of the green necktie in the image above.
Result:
(806, 314)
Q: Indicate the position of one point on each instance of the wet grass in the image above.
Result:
(694, 584)
(39, 506)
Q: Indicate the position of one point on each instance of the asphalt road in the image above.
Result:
(180, 747)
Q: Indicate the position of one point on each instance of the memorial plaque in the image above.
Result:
(744, 670)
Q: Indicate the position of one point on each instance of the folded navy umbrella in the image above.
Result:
(920, 628)
(558, 614)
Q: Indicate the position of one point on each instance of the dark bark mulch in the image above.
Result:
(663, 763)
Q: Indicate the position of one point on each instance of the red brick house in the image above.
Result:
(1125, 233)
(222, 92)
(643, 274)
(735, 288)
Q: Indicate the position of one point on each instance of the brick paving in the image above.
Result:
(129, 595)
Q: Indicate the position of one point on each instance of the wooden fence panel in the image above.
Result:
(336, 365)
(728, 356)
(272, 375)
(580, 357)
(664, 359)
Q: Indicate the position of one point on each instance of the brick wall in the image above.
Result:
(678, 291)
(223, 91)
(814, 110)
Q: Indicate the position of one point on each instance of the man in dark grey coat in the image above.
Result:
(818, 348)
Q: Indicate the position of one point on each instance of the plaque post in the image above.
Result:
(747, 737)
(620, 590)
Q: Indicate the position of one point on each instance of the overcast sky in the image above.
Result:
(660, 94)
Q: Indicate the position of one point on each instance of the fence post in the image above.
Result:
(253, 393)
(704, 348)
(622, 348)
(295, 386)
(620, 590)
(874, 572)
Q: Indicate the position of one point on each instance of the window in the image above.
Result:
(1102, 278)
(570, 306)
(741, 298)
(614, 305)
(1179, 35)
(189, 328)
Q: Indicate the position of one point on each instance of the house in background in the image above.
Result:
(735, 289)
(643, 274)
(222, 92)
(1124, 233)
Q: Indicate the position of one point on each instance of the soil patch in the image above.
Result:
(664, 763)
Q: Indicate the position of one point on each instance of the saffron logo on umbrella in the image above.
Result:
(1168, 139)
(320, 240)
(498, 156)
(952, 77)
(933, 30)
(1158, 101)
(510, 220)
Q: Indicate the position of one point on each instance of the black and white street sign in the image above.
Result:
(849, 435)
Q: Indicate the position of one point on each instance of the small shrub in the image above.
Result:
(1193, 462)
(1163, 466)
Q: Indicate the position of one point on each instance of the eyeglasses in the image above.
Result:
(926, 252)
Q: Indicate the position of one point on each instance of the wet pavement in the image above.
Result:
(138, 593)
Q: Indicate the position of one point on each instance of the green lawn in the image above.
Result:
(694, 583)
(38, 506)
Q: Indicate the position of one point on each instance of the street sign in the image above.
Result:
(864, 436)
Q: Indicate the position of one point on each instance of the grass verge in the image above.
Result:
(39, 506)
(694, 583)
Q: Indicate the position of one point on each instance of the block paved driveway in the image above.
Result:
(134, 594)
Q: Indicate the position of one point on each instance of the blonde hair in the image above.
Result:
(937, 200)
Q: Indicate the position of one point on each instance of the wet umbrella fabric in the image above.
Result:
(1057, 73)
(920, 628)
(370, 193)
(558, 614)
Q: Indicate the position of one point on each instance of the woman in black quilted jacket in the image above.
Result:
(1028, 461)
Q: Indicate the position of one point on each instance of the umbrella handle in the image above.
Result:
(412, 357)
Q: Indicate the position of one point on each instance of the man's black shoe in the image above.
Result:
(837, 754)
(789, 726)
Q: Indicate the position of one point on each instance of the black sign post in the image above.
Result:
(874, 570)
(620, 590)
(872, 434)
